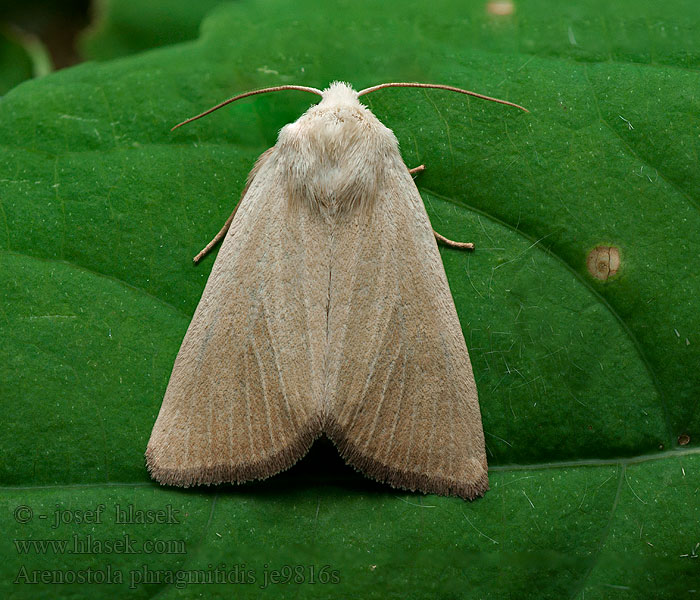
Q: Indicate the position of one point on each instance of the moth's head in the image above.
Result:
(339, 93)
(337, 122)
(335, 156)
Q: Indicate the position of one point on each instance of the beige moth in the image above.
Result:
(327, 311)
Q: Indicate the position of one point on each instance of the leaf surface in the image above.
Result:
(586, 385)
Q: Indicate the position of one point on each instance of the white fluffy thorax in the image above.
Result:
(335, 157)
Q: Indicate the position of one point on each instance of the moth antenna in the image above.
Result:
(438, 86)
(278, 88)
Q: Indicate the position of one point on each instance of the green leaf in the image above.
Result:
(586, 385)
(15, 62)
(123, 27)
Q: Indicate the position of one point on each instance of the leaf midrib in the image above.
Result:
(598, 462)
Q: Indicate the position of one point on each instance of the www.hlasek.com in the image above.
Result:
(89, 544)
(237, 574)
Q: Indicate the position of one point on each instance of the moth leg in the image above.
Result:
(218, 237)
(452, 243)
(442, 238)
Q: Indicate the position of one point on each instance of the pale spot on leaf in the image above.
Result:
(603, 262)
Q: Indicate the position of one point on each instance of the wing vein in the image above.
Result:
(398, 409)
(248, 416)
(266, 400)
(278, 368)
(390, 372)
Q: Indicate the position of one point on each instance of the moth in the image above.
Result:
(327, 311)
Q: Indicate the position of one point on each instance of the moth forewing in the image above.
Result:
(402, 399)
(242, 401)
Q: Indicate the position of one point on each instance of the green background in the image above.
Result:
(16, 63)
(585, 386)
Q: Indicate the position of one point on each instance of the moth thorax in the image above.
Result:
(335, 160)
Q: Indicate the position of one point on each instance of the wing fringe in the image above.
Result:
(403, 479)
(224, 472)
